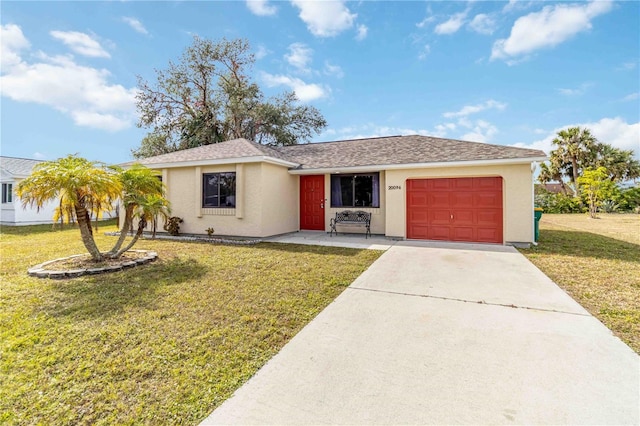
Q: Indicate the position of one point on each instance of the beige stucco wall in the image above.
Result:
(517, 197)
(266, 199)
(378, 216)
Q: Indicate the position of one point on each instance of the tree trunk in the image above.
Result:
(141, 225)
(128, 219)
(84, 223)
(574, 169)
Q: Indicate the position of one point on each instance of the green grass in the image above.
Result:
(164, 343)
(597, 262)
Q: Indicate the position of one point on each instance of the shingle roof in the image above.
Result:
(236, 148)
(17, 166)
(393, 150)
(389, 150)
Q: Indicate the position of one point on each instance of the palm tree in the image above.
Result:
(83, 184)
(575, 146)
(138, 182)
(147, 209)
(619, 163)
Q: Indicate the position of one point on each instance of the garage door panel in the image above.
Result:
(486, 217)
(439, 233)
(486, 199)
(455, 209)
(439, 184)
(462, 199)
(462, 184)
(462, 234)
(464, 217)
(439, 200)
(488, 235)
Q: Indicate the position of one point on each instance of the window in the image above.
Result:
(362, 190)
(7, 192)
(219, 190)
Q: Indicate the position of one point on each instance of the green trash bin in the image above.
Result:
(537, 213)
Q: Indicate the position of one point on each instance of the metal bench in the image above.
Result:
(353, 218)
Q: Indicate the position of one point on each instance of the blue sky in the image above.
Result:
(510, 73)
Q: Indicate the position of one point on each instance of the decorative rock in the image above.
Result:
(39, 271)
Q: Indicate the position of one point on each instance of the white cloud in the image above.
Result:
(81, 43)
(483, 24)
(451, 25)
(627, 66)
(261, 7)
(304, 91)
(39, 156)
(362, 32)
(473, 109)
(82, 92)
(481, 131)
(547, 28)
(614, 131)
(261, 52)
(371, 130)
(135, 24)
(299, 56)
(441, 130)
(576, 91)
(631, 97)
(426, 21)
(333, 70)
(12, 41)
(325, 18)
(425, 52)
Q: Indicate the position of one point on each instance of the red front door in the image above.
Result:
(312, 202)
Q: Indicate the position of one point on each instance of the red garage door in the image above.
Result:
(460, 209)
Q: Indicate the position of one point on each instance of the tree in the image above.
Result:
(596, 187)
(139, 185)
(577, 150)
(83, 184)
(575, 145)
(208, 97)
(619, 163)
(146, 210)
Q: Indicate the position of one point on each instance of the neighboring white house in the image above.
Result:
(12, 171)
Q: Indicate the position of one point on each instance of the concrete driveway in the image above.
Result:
(446, 334)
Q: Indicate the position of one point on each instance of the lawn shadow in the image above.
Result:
(585, 244)
(108, 294)
(310, 248)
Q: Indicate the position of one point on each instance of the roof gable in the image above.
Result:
(233, 149)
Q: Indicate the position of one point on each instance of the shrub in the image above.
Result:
(172, 226)
(558, 203)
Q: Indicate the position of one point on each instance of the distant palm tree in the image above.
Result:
(83, 184)
(575, 145)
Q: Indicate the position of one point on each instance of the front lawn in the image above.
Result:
(596, 261)
(163, 343)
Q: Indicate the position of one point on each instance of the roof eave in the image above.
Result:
(431, 165)
(220, 161)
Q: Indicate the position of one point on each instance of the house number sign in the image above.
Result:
(392, 187)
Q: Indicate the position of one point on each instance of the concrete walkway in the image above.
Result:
(446, 334)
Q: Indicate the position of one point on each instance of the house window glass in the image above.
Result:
(357, 190)
(219, 189)
(7, 192)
